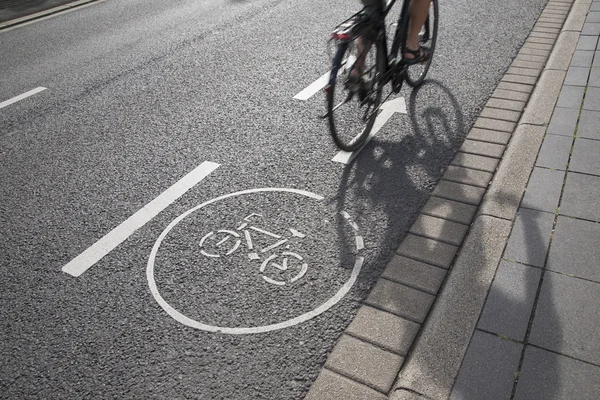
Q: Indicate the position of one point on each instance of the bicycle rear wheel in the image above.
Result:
(353, 106)
(415, 74)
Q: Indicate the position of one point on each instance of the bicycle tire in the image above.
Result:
(415, 74)
(351, 121)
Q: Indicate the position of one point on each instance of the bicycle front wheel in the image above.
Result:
(353, 104)
(415, 74)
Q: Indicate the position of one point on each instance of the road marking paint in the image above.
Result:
(118, 235)
(387, 110)
(320, 83)
(178, 316)
(21, 96)
(360, 244)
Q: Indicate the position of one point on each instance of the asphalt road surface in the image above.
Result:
(235, 282)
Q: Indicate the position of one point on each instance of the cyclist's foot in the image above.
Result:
(357, 83)
(417, 56)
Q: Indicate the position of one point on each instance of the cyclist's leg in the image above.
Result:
(418, 14)
(362, 45)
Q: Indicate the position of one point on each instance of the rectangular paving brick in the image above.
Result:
(541, 40)
(567, 317)
(591, 28)
(594, 80)
(529, 239)
(534, 52)
(495, 124)
(400, 300)
(414, 273)
(586, 157)
(468, 176)
(449, 209)
(365, 363)
(330, 385)
(544, 29)
(509, 303)
(520, 63)
(596, 62)
(543, 190)
(580, 192)
(551, 18)
(488, 369)
(549, 10)
(427, 250)
(587, 43)
(439, 229)
(563, 122)
(506, 104)
(474, 161)
(546, 375)
(593, 16)
(582, 58)
(528, 80)
(482, 148)
(589, 123)
(592, 99)
(517, 87)
(383, 329)
(570, 97)
(510, 95)
(459, 192)
(575, 250)
(577, 76)
(497, 113)
(532, 45)
(543, 35)
(524, 71)
(486, 135)
(555, 152)
(532, 58)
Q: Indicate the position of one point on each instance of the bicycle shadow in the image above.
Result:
(393, 179)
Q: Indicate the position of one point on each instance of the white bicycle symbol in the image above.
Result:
(282, 262)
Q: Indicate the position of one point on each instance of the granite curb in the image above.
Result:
(410, 344)
(41, 14)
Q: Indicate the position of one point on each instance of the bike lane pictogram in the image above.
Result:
(255, 261)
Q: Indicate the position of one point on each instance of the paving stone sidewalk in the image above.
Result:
(537, 336)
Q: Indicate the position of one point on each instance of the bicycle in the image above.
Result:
(351, 114)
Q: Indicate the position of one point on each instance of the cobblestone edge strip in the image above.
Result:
(397, 344)
(18, 21)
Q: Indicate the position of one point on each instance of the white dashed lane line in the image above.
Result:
(21, 97)
(102, 247)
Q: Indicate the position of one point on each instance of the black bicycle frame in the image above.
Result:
(398, 35)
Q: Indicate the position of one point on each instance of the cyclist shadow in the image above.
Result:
(390, 180)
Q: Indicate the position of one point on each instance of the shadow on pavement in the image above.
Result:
(394, 178)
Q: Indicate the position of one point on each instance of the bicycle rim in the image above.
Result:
(352, 113)
(415, 74)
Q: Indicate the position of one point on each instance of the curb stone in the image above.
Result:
(518, 114)
(45, 13)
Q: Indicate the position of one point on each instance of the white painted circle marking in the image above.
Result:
(246, 330)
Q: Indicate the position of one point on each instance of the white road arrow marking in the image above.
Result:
(388, 109)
